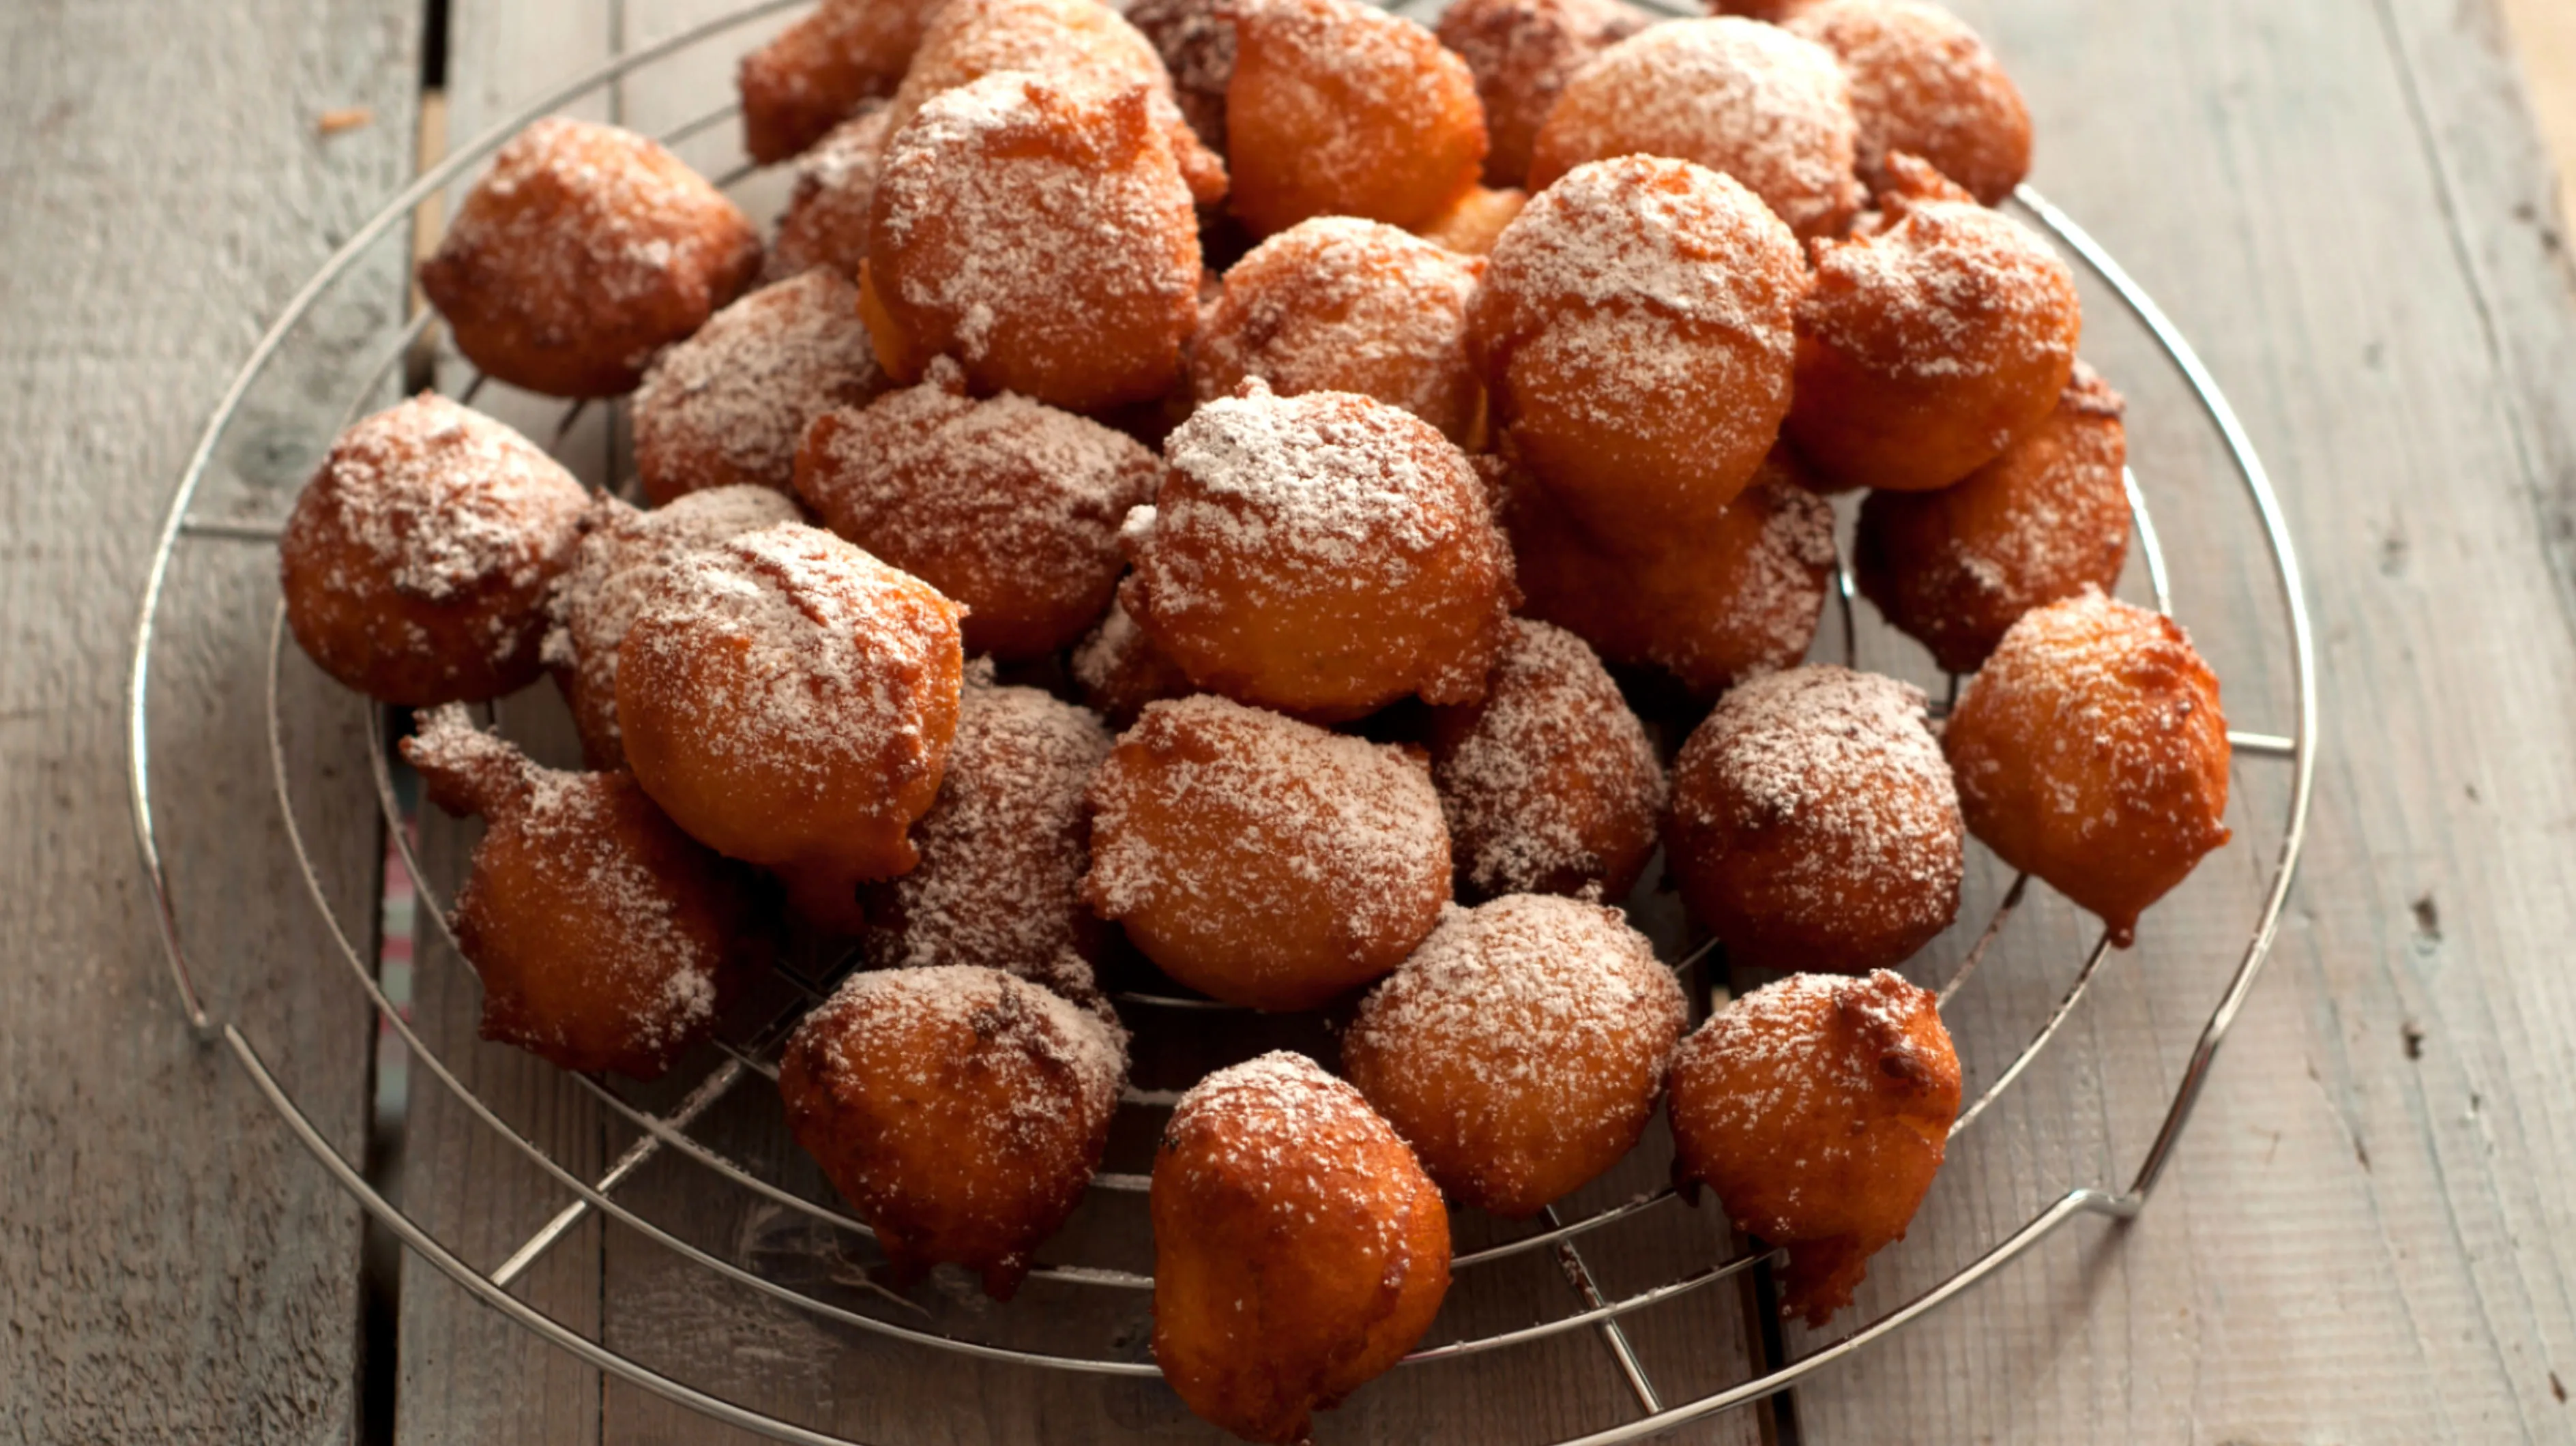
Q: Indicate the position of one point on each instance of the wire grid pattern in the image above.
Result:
(753, 1054)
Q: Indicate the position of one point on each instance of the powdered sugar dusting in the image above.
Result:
(1280, 1115)
(622, 554)
(1109, 651)
(2076, 513)
(1781, 585)
(1954, 568)
(572, 819)
(1055, 1055)
(1554, 759)
(1323, 495)
(2115, 732)
(1030, 224)
(740, 392)
(647, 979)
(1847, 758)
(1342, 304)
(1923, 83)
(1951, 289)
(1525, 993)
(1026, 484)
(1071, 44)
(1523, 52)
(580, 228)
(1003, 851)
(1358, 820)
(464, 769)
(1119, 670)
(826, 222)
(822, 633)
(446, 502)
(1328, 59)
(1671, 278)
(1779, 1041)
(1734, 95)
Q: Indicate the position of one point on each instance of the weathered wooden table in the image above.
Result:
(2367, 1233)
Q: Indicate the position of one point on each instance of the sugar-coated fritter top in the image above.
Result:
(1002, 201)
(581, 253)
(1743, 98)
(416, 562)
(1324, 555)
(728, 406)
(1922, 83)
(2091, 751)
(623, 551)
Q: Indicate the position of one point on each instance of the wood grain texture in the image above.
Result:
(173, 1267)
(2364, 1236)
(468, 1374)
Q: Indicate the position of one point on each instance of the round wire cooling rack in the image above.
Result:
(749, 1054)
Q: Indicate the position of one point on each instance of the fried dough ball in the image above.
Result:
(826, 220)
(1041, 236)
(1338, 304)
(1337, 108)
(1954, 568)
(1476, 222)
(1522, 53)
(1550, 785)
(1323, 555)
(1927, 347)
(1718, 602)
(416, 562)
(622, 554)
(789, 699)
(1746, 99)
(1818, 1109)
(1922, 83)
(604, 936)
(962, 1111)
(1007, 505)
(2091, 751)
(821, 70)
(1262, 860)
(1299, 1250)
(1071, 44)
(1814, 824)
(1196, 40)
(1004, 849)
(1120, 671)
(728, 406)
(1636, 332)
(1520, 1050)
(583, 252)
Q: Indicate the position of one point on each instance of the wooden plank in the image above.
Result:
(469, 1374)
(2281, 1282)
(174, 1268)
(2364, 1235)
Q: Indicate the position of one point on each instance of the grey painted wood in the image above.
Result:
(468, 1374)
(465, 1373)
(2364, 1235)
(173, 1267)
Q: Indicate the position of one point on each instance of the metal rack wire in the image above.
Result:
(751, 1055)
